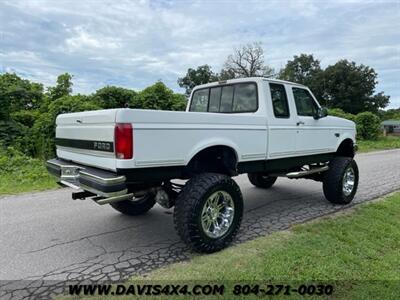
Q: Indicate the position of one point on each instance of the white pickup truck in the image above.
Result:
(263, 127)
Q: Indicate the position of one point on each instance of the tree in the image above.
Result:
(350, 87)
(226, 74)
(203, 74)
(18, 94)
(304, 69)
(9, 131)
(25, 117)
(247, 61)
(178, 102)
(377, 101)
(43, 130)
(114, 97)
(69, 103)
(62, 88)
(19, 100)
(390, 114)
(158, 96)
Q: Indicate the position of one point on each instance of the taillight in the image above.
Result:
(123, 135)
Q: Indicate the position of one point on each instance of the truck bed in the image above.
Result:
(160, 138)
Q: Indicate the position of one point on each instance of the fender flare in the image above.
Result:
(212, 143)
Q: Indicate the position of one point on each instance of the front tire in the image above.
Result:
(261, 180)
(208, 212)
(340, 182)
(136, 206)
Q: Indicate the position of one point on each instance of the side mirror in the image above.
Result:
(321, 113)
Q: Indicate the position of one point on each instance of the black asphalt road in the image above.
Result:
(47, 236)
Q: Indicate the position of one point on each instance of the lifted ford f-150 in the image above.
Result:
(267, 128)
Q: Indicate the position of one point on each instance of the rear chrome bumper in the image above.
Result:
(96, 181)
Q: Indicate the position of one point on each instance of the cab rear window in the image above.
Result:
(233, 98)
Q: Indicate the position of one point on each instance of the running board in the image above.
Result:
(300, 174)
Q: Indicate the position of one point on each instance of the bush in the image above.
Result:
(17, 135)
(44, 132)
(11, 159)
(25, 117)
(24, 140)
(9, 130)
(44, 127)
(21, 173)
(337, 112)
(368, 126)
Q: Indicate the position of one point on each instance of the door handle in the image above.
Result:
(300, 123)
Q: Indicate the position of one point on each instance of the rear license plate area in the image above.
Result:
(70, 173)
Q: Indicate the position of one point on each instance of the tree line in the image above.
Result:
(28, 109)
(344, 85)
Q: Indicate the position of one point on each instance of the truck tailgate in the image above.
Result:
(87, 138)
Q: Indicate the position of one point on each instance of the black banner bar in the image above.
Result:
(85, 144)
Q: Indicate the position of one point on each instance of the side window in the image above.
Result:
(279, 100)
(199, 100)
(245, 99)
(215, 98)
(305, 103)
(226, 99)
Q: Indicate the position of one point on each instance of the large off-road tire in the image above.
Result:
(340, 182)
(136, 206)
(208, 212)
(261, 180)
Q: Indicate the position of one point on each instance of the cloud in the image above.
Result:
(135, 43)
(82, 40)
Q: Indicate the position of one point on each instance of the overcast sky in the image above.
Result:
(135, 43)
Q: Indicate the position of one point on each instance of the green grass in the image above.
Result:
(357, 251)
(383, 143)
(20, 173)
